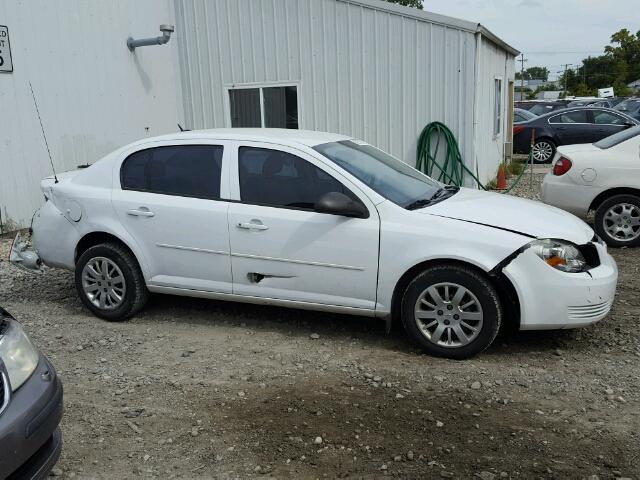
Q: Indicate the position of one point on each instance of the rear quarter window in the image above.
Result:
(618, 138)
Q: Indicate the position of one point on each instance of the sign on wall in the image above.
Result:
(6, 64)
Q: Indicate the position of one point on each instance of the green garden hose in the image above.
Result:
(451, 168)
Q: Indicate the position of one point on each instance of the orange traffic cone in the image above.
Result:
(502, 178)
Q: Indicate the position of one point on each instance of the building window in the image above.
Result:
(497, 106)
(269, 107)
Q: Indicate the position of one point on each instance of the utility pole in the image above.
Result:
(566, 66)
(522, 60)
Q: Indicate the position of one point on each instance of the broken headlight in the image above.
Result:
(563, 256)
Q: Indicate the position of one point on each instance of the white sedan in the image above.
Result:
(603, 177)
(317, 221)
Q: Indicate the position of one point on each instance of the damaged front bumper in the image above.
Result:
(24, 256)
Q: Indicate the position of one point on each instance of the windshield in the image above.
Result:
(628, 105)
(618, 138)
(388, 176)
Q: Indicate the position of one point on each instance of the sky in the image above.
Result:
(551, 33)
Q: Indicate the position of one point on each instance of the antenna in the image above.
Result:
(43, 134)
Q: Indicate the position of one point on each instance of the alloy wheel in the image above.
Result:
(542, 151)
(448, 315)
(103, 283)
(622, 222)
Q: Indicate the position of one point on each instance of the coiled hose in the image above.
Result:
(451, 169)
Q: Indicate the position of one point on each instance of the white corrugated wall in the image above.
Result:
(495, 63)
(93, 94)
(361, 71)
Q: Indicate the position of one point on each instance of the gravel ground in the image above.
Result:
(194, 388)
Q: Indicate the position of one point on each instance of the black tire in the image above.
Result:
(477, 285)
(539, 143)
(599, 221)
(136, 293)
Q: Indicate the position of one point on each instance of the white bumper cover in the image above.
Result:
(551, 299)
(563, 193)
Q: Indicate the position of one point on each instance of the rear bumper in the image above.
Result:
(563, 193)
(551, 299)
(29, 428)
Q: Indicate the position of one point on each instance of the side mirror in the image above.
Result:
(629, 125)
(336, 203)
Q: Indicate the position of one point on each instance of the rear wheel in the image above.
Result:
(617, 221)
(109, 282)
(543, 150)
(451, 311)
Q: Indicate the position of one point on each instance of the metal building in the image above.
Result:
(366, 68)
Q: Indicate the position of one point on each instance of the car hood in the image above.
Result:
(518, 215)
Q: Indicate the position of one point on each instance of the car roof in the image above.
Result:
(576, 109)
(284, 136)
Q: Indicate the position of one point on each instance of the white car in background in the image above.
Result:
(317, 221)
(603, 177)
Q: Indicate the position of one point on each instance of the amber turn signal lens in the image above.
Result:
(555, 261)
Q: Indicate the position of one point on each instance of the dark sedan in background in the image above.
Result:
(520, 115)
(567, 127)
(30, 406)
(540, 107)
(631, 107)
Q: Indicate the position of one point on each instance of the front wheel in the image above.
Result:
(109, 282)
(543, 150)
(617, 221)
(451, 311)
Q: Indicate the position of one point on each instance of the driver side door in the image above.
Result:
(281, 248)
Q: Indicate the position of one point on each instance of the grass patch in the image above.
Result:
(491, 185)
(515, 168)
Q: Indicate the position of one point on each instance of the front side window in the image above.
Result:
(386, 175)
(279, 179)
(606, 118)
(269, 107)
(182, 170)
(578, 116)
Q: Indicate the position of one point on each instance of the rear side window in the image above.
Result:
(182, 170)
(579, 116)
(280, 179)
(618, 138)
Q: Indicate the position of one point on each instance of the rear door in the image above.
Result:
(572, 127)
(169, 201)
(606, 124)
(283, 249)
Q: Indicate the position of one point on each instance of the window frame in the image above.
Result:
(498, 104)
(334, 172)
(224, 193)
(260, 86)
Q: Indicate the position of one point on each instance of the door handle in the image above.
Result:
(252, 226)
(141, 212)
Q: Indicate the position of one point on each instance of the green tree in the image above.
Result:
(409, 3)
(534, 73)
(618, 66)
